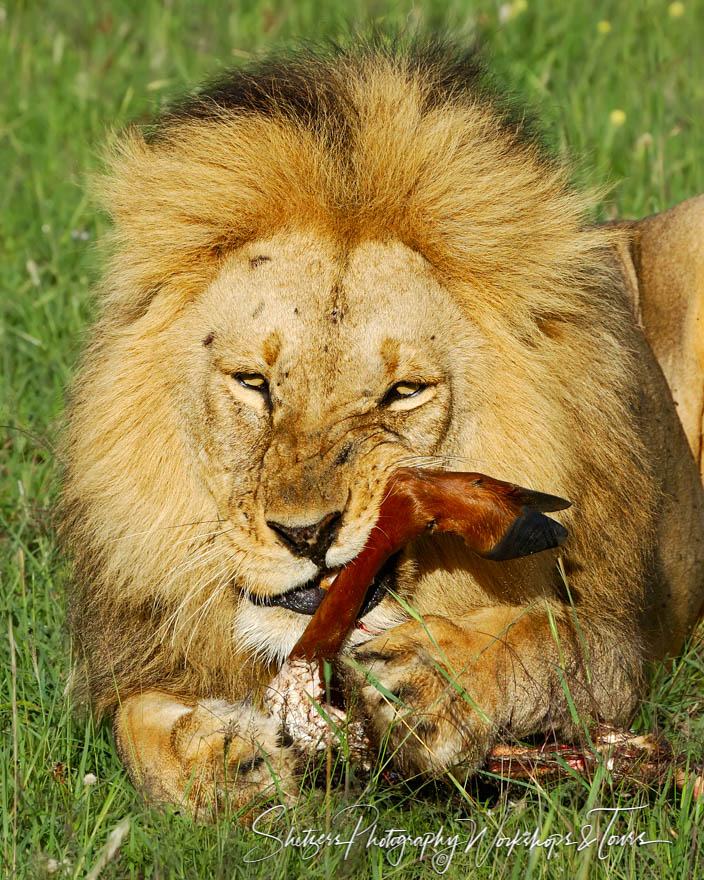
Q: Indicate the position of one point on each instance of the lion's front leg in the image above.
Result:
(441, 691)
(203, 754)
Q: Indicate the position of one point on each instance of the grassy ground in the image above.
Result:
(619, 84)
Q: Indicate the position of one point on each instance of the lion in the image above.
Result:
(325, 267)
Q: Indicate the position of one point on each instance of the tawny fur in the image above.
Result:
(417, 191)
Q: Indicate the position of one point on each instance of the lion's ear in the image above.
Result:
(662, 267)
(529, 533)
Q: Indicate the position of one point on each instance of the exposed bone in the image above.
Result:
(292, 695)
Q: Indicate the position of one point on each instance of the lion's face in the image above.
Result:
(312, 372)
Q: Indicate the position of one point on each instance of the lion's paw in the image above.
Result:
(413, 704)
(208, 756)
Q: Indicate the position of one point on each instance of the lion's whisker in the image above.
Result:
(435, 460)
(199, 557)
(192, 591)
(217, 533)
(226, 572)
(154, 528)
(204, 607)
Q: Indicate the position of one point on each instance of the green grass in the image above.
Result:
(72, 72)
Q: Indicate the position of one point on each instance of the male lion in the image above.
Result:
(324, 269)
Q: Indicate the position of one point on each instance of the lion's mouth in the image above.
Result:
(306, 598)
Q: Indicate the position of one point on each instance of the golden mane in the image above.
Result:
(446, 174)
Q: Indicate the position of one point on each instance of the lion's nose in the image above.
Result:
(312, 541)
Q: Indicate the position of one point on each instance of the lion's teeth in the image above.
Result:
(328, 580)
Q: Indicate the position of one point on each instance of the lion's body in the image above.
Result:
(338, 228)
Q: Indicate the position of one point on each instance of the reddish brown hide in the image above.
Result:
(497, 520)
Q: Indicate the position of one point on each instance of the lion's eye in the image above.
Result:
(408, 395)
(407, 389)
(403, 390)
(255, 381)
